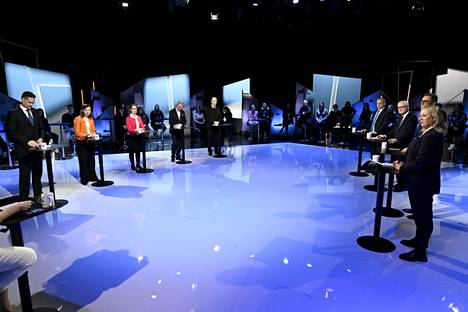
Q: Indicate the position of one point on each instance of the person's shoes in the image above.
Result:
(399, 188)
(178, 157)
(138, 167)
(408, 242)
(84, 182)
(172, 158)
(411, 217)
(210, 152)
(133, 167)
(414, 256)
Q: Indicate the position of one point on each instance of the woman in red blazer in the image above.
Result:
(135, 136)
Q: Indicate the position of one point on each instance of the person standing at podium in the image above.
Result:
(135, 137)
(177, 122)
(421, 171)
(214, 115)
(25, 129)
(84, 133)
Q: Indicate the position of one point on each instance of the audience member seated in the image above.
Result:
(365, 117)
(304, 115)
(288, 119)
(456, 125)
(321, 115)
(252, 121)
(48, 134)
(265, 117)
(157, 121)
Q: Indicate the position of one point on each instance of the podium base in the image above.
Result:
(391, 213)
(358, 174)
(60, 203)
(377, 244)
(8, 167)
(372, 188)
(183, 162)
(219, 156)
(101, 183)
(144, 170)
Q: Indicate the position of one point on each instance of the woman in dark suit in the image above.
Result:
(84, 133)
(135, 136)
(422, 173)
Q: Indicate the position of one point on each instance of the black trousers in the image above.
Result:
(265, 130)
(177, 142)
(421, 203)
(214, 139)
(30, 163)
(86, 161)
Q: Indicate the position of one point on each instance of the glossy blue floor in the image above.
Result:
(269, 228)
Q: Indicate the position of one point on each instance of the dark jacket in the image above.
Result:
(20, 131)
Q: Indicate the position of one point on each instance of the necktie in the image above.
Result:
(376, 116)
(30, 117)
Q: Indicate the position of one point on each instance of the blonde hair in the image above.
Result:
(438, 121)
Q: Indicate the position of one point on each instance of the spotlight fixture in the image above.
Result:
(125, 4)
(255, 3)
(214, 16)
(295, 1)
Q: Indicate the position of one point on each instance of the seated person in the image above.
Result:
(157, 121)
(68, 119)
(14, 261)
(321, 115)
(48, 134)
(198, 120)
(252, 120)
(365, 117)
(265, 115)
(304, 114)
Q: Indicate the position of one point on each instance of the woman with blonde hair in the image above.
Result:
(421, 171)
(84, 133)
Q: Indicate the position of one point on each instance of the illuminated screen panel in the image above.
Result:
(232, 96)
(336, 90)
(53, 91)
(167, 91)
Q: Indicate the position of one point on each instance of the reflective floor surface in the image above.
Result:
(269, 228)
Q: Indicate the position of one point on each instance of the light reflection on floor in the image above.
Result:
(269, 228)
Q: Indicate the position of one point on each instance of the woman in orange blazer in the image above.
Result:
(84, 133)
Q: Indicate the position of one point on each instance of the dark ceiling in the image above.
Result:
(102, 40)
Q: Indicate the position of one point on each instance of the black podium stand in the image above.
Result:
(144, 169)
(375, 242)
(102, 182)
(183, 161)
(50, 177)
(13, 223)
(359, 173)
(373, 187)
(218, 128)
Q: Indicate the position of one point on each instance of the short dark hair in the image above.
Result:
(434, 97)
(28, 94)
(70, 105)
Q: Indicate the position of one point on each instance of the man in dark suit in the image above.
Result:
(381, 119)
(177, 122)
(25, 130)
(422, 173)
(213, 115)
(400, 136)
